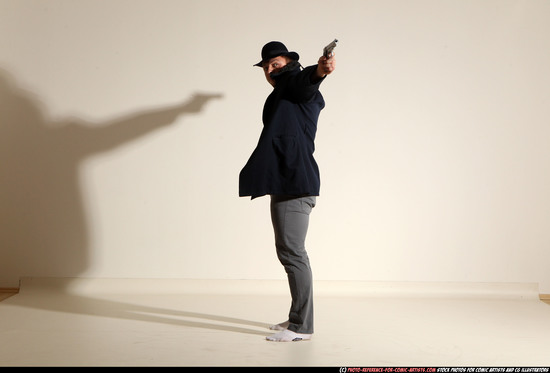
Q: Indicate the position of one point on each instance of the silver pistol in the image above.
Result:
(327, 51)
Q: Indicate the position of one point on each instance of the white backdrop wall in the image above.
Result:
(434, 146)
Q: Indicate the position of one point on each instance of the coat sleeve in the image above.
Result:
(299, 85)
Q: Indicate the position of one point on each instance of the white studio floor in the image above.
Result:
(79, 322)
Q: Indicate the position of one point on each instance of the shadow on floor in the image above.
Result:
(85, 305)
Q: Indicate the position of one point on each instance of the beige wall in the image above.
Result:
(434, 145)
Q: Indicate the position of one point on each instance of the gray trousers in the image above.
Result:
(290, 217)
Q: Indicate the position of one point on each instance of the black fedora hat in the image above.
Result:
(275, 49)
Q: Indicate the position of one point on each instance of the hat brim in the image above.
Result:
(292, 55)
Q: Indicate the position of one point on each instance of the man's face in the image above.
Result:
(274, 65)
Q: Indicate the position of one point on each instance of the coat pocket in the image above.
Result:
(287, 152)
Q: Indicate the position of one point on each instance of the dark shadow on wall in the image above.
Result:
(43, 226)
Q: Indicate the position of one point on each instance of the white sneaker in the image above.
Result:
(288, 336)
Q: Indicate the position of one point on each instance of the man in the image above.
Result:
(282, 166)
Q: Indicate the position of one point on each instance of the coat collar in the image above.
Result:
(291, 66)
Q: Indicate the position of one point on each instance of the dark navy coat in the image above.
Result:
(283, 163)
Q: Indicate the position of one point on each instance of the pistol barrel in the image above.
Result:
(329, 48)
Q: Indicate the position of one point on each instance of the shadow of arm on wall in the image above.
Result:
(119, 131)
